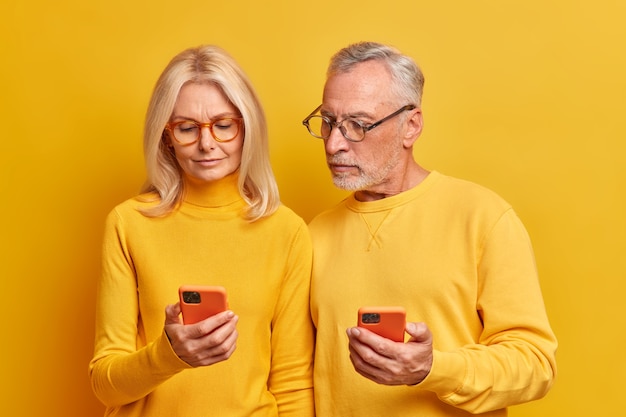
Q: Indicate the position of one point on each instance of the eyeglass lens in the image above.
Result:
(321, 127)
(188, 131)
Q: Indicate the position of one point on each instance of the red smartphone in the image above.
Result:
(387, 321)
(197, 302)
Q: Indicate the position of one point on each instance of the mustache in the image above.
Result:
(337, 160)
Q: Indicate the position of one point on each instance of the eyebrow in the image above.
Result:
(358, 115)
(222, 115)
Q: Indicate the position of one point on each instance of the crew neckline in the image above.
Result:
(395, 200)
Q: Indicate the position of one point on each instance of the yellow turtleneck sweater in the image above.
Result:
(265, 267)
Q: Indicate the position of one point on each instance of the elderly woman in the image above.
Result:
(209, 214)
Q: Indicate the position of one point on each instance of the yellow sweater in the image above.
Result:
(265, 268)
(457, 257)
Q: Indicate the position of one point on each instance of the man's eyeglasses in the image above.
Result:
(188, 132)
(352, 129)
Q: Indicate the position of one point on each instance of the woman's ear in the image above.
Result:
(165, 139)
(413, 127)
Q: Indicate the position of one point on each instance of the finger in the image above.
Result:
(207, 350)
(419, 333)
(212, 344)
(221, 334)
(225, 349)
(363, 368)
(370, 359)
(209, 324)
(213, 353)
(363, 340)
(354, 343)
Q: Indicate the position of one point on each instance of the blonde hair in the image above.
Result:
(212, 64)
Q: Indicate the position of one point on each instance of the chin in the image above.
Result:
(200, 179)
(346, 184)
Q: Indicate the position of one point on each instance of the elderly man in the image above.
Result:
(453, 254)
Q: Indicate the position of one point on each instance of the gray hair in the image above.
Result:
(407, 78)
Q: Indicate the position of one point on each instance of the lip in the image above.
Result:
(341, 167)
(207, 162)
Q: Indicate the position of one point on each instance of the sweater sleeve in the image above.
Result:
(514, 359)
(291, 374)
(125, 367)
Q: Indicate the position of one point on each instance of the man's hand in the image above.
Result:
(204, 343)
(392, 363)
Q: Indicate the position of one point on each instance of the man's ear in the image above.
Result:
(414, 124)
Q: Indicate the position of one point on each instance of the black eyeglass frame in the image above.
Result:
(364, 127)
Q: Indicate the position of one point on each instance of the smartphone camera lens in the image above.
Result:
(191, 297)
(370, 318)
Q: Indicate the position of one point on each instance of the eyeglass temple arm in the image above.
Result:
(407, 107)
(306, 119)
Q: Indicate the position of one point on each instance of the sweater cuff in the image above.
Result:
(165, 359)
(447, 374)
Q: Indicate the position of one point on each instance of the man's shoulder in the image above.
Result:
(468, 191)
(329, 215)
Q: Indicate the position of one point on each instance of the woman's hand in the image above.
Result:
(204, 343)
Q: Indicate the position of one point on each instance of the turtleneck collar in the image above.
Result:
(219, 193)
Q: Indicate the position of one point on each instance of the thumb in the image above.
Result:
(419, 333)
(172, 313)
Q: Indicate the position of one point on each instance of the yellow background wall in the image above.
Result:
(525, 97)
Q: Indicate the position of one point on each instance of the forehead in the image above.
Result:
(366, 87)
(201, 100)
(203, 92)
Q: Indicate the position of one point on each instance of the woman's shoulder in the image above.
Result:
(286, 215)
(135, 205)
(285, 219)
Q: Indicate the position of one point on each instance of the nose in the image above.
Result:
(336, 142)
(207, 141)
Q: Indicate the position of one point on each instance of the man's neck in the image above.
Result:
(412, 177)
